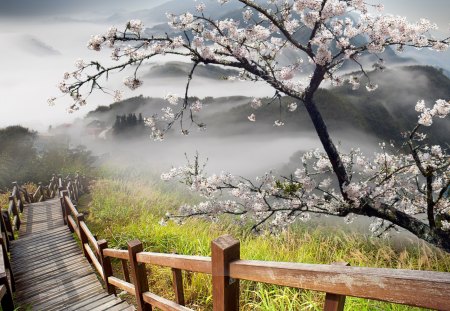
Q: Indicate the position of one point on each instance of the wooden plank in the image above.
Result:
(42, 243)
(163, 303)
(89, 304)
(52, 269)
(89, 235)
(20, 248)
(36, 263)
(59, 249)
(52, 282)
(128, 287)
(65, 290)
(27, 260)
(189, 263)
(68, 303)
(122, 306)
(73, 225)
(65, 298)
(431, 289)
(116, 253)
(71, 207)
(94, 260)
(79, 306)
(53, 233)
(57, 286)
(107, 305)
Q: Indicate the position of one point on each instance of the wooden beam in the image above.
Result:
(139, 274)
(225, 292)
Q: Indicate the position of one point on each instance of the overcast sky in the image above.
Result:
(51, 34)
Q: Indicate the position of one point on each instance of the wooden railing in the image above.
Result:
(6, 278)
(409, 287)
(10, 223)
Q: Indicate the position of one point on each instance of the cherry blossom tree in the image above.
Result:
(405, 188)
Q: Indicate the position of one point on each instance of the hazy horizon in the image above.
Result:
(43, 40)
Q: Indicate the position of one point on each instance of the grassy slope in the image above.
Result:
(122, 208)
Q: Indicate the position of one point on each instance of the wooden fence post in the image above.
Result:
(106, 265)
(26, 195)
(15, 212)
(334, 302)
(139, 274)
(18, 196)
(7, 264)
(65, 194)
(83, 237)
(225, 292)
(6, 224)
(126, 272)
(41, 191)
(178, 286)
(63, 209)
(7, 301)
(4, 229)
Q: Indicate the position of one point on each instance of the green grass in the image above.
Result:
(120, 208)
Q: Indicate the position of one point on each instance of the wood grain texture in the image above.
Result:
(431, 289)
(50, 270)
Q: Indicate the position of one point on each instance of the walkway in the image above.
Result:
(50, 271)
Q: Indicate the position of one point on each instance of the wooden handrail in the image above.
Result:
(431, 289)
(89, 236)
(73, 225)
(7, 284)
(94, 260)
(126, 286)
(116, 253)
(163, 303)
(189, 263)
(71, 207)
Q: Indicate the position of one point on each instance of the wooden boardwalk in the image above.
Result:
(50, 270)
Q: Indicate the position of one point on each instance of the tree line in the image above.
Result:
(27, 157)
(129, 125)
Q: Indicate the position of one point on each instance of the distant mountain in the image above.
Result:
(157, 14)
(35, 46)
(177, 69)
(384, 113)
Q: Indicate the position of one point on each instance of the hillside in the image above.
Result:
(177, 69)
(384, 113)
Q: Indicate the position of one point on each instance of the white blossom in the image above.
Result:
(132, 82)
(173, 99)
(135, 25)
(256, 103)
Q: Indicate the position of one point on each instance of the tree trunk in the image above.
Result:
(435, 236)
(322, 131)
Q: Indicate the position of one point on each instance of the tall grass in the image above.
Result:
(119, 209)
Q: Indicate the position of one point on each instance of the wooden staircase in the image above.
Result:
(49, 270)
